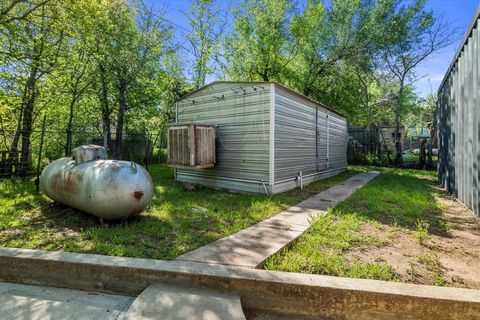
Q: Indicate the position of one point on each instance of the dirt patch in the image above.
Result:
(450, 258)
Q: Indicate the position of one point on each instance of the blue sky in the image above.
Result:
(459, 12)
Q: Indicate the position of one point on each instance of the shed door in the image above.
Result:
(322, 140)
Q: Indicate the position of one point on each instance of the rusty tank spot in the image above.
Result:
(70, 184)
(138, 195)
(66, 185)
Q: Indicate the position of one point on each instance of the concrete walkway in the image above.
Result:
(250, 247)
(18, 302)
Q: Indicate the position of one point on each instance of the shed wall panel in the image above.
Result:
(306, 139)
(338, 140)
(241, 113)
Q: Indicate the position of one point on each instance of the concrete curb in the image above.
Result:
(261, 291)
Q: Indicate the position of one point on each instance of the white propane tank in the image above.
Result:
(108, 189)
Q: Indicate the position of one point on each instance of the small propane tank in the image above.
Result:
(108, 189)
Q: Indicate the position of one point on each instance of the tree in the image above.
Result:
(204, 39)
(16, 10)
(257, 47)
(32, 48)
(415, 34)
(130, 46)
(76, 63)
(142, 61)
(334, 36)
(112, 68)
(422, 116)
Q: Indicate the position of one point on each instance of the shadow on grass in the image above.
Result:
(402, 198)
(176, 222)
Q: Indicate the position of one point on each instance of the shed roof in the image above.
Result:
(263, 82)
(468, 33)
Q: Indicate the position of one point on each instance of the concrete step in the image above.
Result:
(166, 301)
(22, 302)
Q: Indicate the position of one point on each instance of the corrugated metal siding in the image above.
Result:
(338, 140)
(295, 134)
(459, 123)
(289, 184)
(242, 116)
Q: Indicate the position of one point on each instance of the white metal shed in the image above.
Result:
(269, 137)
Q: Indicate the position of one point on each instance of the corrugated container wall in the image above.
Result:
(268, 136)
(458, 122)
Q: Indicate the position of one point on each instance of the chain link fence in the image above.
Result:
(47, 145)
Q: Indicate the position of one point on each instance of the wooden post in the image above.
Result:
(37, 180)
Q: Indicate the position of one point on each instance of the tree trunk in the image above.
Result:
(160, 142)
(422, 159)
(107, 136)
(76, 92)
(68, 143)
(122, 107)
(18, 130)
(28, 105)
(4, 134)
(398, 138)
(376, 125)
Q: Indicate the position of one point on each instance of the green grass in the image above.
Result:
(171, 225)
(320, 250)
(421, 234)
(433, 265)
(398, 197)
(415, 158)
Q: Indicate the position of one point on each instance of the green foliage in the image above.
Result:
(414, 34)
(100, 68)
(256, 48)
(421, 114)
(205, 39)
(398, 197)
(91, 66)
(432, 264)
(421, 232)
(369, 159)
